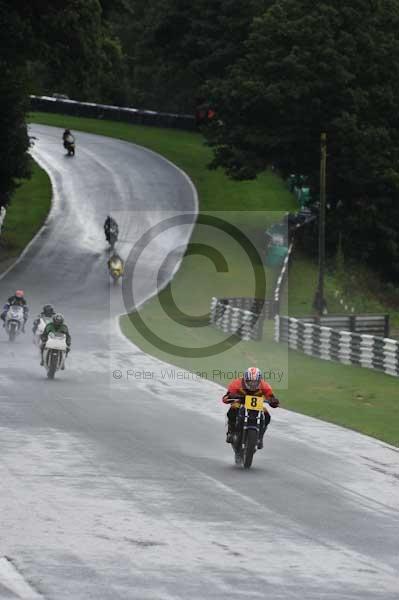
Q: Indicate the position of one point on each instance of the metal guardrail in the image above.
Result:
(365, 324)
(117, 113)
(281, 280)
(347, 347)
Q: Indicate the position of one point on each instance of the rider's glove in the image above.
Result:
(274, 402)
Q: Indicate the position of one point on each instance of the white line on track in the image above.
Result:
(13, 581)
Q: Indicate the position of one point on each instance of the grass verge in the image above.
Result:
(25, 216)
(349, 396)
(357, 287)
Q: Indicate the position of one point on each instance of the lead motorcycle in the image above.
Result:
(14, 322)
(54, 353)
(69, 145)
(249, 424)
(112, 236)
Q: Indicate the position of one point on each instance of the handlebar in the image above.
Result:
(231, 400)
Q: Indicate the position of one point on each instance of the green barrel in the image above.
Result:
(275, 255)
(304, 197)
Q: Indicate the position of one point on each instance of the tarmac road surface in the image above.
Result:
(124, 488)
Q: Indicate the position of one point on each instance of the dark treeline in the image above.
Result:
(277, 72)
(46, 46)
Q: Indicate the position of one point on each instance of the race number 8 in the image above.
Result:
(254, 402)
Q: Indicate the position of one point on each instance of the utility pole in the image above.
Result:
(319, 301)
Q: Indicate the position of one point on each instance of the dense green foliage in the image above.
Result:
(175, 46)
(76, 53)
(47, 46)
(313, 67)
(14, 41)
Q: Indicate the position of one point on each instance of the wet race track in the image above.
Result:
(117, 489)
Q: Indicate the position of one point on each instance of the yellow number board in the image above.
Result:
(254, 402)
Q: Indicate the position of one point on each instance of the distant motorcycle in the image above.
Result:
(54, 353)
(116, 267)
(14, 322)
(250, 421)
(69, 145)
(112, 236)
(40, 329)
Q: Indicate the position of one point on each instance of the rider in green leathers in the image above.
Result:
(57, 326)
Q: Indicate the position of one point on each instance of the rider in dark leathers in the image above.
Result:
(47, 312)
(109, 224)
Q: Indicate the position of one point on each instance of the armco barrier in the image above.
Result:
(281, 280)
(368, 324)
(115, 113)
(350, 348)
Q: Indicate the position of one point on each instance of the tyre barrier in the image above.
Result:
(347, 347)
(241, 316)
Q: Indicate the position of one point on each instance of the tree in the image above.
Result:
(76, 52)
(311, 67)
(175, 46)
(14, 142)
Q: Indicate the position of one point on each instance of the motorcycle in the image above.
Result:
(69, 145)
(116, 268)
(40, 329)
(14, 322)
(54, 353)
(112, 236)
(249, 424)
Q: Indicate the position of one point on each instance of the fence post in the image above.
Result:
(386, 326)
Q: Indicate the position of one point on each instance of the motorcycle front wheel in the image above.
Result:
(53, 366)
(12, 332)
(250, 445)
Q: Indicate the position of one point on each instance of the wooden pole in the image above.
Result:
(319, 300)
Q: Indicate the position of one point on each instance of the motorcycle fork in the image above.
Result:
(245, 426)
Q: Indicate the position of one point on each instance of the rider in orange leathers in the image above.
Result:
(251, 383)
